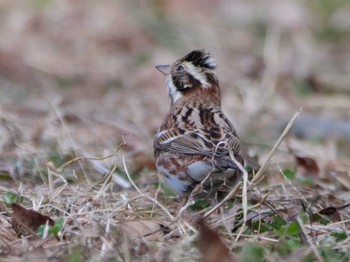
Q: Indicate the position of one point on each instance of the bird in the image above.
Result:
(192, 146)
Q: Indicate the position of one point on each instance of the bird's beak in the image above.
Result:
(164, 69)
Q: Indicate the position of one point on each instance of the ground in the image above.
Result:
(80, 102)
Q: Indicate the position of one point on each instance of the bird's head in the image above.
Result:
(191, 73)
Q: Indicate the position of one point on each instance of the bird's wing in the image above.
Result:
(213, 142)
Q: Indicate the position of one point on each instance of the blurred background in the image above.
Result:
(77, 77)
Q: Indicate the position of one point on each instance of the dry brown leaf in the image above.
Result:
(343, 177)
(308, 158)
(146, 229)
(211, 245)
(232, 215)
(25, 221)
(333, 212)
(320, 161)
(308, 164)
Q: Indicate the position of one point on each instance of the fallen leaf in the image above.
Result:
(232, 213)
(211, 245)
(319, 161)
(333, 212)
(147, 229)
(343, 177)
(25, 221)
(308, 164)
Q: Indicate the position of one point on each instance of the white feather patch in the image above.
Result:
(174, 94)
(170, 139)
(196, 73)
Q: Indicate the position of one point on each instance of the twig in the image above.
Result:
(59, 116)
(260, 174)
(141, 193)
(234, 189)
(75, 159)
(106, 181)
(231, 194)
(244, 192)
(313, 247)
(240, 212)
(325, 228)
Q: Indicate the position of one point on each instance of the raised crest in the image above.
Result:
(201, 58)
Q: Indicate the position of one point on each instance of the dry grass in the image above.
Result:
(80, 101)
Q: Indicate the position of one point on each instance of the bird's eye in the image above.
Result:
(180, 68)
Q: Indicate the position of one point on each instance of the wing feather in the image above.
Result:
(195, 142)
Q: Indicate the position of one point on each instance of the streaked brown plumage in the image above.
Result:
(192, 145)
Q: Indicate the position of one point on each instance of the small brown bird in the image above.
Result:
(191, 147)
